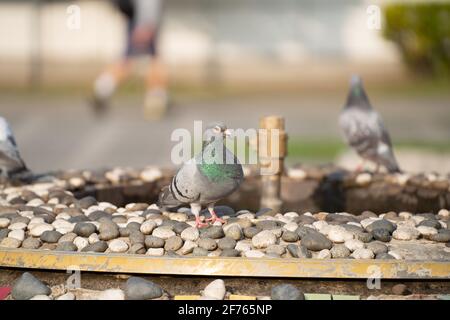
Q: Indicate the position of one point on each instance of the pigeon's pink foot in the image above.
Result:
(360, 167)
(215, 218)
(199, 224)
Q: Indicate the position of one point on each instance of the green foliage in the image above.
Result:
(422, 32)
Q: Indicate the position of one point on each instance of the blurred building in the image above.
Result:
(203, 41)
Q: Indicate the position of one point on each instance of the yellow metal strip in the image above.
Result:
(223, 266)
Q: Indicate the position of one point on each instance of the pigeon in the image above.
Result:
(364, 130)
(11, 164)
(209, 176)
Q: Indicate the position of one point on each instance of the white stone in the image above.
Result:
(190, 233)
(111, 294)
(417, 219)
(284, 220)
(291, 215)
(163, 233)
(405, 215)
(35, 202)
(309, 214)
(248, 215)
(243, 245)
(27, 214)
(291, 226)
(368, 221)
(64, 224)
(406, 224)
(188, 247)
(178, 216)
(264, 239)
(401, 178)
(136, 219)
(147, 227)
(36, 220)
(10, 243)
(155, 252)
(93, 238)
(40, 228)
(363, 179)
(4, 222)
(443, 224)
(444, 213)
(277, 232)
(105, 205)
(338, 234)
(17, 234)
(362, 254)
(77, 182)
(53, 201)
(215, 289)
(319, 225)
(41, 297)
(253, 254)
(297, 174)
(354, 244)
(405, 233)
(67, 296)
(324, 254)
(151, 174)
(64, 230)
(154, 206)
(426, 231)
(17, 226)
(397, 255)
(118, 246)
(63, 216)
(215, 253)
(80, 242)
(352, 223)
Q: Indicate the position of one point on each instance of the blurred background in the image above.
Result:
(229, 60)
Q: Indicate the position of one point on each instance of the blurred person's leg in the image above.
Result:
(156, 96)
(106, 83)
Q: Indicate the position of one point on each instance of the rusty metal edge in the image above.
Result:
(223, 266)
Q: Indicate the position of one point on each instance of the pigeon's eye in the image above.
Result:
(217, 129)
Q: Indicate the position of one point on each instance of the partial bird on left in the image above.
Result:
(11, 163)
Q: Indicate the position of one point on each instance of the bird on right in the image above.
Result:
(364, 129)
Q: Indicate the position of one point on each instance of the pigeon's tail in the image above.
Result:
(167, 200)
(24, 175)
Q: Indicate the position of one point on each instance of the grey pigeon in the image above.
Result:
(208, 177)
(364, 130)
(11, 163)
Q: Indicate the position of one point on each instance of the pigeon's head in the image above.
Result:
(355, 80)
(357, 97)
(216, 129)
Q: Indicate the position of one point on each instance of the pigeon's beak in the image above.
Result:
(228, 133)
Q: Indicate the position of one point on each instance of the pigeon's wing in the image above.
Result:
(366, 133)
(185, 185)
(385, 151)
(361, 130)
(9, 154)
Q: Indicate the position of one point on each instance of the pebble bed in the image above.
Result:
(29, 287)
(47, 216)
